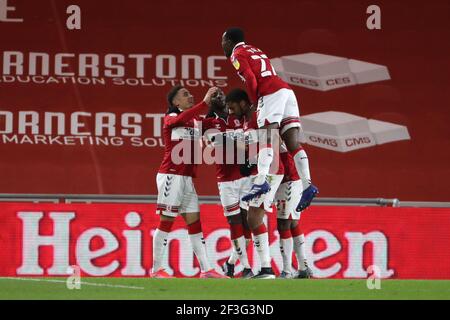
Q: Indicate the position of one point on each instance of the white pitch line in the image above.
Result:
(82, 283)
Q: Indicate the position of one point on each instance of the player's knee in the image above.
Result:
(191, 218)
(253, 221)
(291, 139)
(255, 217)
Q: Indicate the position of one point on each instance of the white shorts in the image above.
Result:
(279, 107)
(287, 198)
(231, 193)
(268, 198)
(176, 195)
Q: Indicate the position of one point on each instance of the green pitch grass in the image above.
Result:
(221, 289)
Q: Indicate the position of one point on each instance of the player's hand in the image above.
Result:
(211, 91)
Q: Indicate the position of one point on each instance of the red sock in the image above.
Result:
(260, 229)
(296, 231)
(195, 227)
(236, 231)
(165, 225)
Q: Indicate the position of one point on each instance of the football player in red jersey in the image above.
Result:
(277, 109)
(222, 131)
(239, 105)
(288, 218)
(176, 191)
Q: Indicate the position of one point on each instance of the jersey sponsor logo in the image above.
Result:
(185, 133)
(236, 64)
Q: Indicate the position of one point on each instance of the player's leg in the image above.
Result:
(265, 158)
(247, 231)
(269, 116)
(290, 133)
(261, 241)
(247, 271)
(229, 198)
(286, 246)
(191, 215)
(197, 240)
(288, 211)
(229, 192)
(299, 248)
(245, 185)
(257, 209)
(239, 244)
(283, 198)
(169, 187)
(291, 139)
(228, 266)
(160, 245)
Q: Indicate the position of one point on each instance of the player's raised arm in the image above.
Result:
(188, 114)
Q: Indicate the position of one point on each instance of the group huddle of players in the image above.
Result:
(261, 123)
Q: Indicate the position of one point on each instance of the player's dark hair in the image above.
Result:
(234, 34)
(170, 96)
(237, 95)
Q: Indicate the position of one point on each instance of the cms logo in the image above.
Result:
(357, 141)
(325, 141)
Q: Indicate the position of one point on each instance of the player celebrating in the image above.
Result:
(291, 236)
(239, 105)
(176, 191)
(277, 109)
(220, 129)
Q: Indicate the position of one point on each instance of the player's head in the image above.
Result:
(179, 98)
(218, 101)
(230, 38)
(237, 102)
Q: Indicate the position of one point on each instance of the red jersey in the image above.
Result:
(250, 127)
(229, 126)
(181, 128)
(254, 67)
